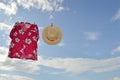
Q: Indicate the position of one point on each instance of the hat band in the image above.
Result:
(50, 39)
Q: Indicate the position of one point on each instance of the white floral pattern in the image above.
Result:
(15, 34)
(28, 41)
(34, 38)
(12, 45)
(17, 54)
(17, 39)
(21, 31)
(22, 50)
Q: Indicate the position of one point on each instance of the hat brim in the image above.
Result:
(55, 41)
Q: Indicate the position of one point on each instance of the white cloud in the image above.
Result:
(15, 64)
(61, 44)
(116, 78)
(10, 8)
(54, 73)
(116, 50)
(19, 65)
(116, 16)
(5, 26)
(51, 17)
(51, 6)
(91, 35)
(80, 65)
(44, 5)
(72, 65)
(13, 77)
(3, 51)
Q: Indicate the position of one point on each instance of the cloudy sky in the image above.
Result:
(90, 47)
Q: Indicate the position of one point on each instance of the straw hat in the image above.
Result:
(52, 35)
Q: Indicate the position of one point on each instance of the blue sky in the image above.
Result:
(90, 47)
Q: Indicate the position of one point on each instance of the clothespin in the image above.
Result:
(34, 23)
(51, 24)
(17, 22)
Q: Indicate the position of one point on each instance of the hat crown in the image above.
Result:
(52, 33)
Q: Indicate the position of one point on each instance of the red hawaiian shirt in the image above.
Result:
(24, 37)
